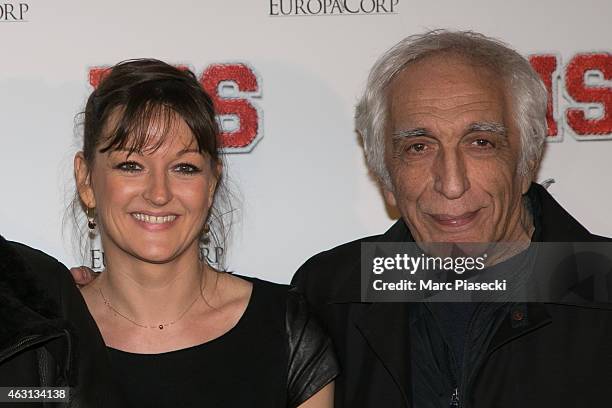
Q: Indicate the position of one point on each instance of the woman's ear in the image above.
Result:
(217, 172)
(82, 176)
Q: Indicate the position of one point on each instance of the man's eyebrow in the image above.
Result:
(407, 133)
(492, 127)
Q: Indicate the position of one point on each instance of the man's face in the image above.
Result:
(452, 151)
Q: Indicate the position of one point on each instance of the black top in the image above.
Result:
(275, 356)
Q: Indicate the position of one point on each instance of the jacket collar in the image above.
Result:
(553, 223)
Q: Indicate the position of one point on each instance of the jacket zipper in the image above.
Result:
(455, 402)
(466, 376)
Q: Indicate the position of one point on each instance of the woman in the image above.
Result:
(179, 332)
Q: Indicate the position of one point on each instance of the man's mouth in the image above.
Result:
(448, 220)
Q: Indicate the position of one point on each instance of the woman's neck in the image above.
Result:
(154, 293)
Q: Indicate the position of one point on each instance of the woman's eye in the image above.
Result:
(186, 168)
(130, 167)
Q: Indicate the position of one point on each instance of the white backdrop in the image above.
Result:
(304, 186)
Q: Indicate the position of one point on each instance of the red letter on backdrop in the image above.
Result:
(96, 75)
(247, 135)
(546, 65)
(581, 92)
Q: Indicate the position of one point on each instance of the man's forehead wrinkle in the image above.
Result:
(445, 113)
(464, 118)
(445, 104)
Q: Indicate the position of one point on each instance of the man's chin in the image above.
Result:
(465, 234)
(455, 248)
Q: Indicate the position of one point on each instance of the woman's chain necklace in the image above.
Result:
(160, 326)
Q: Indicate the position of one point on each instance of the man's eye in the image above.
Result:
(130, 167)
(482, 143)
(417, 148)
(186, 168)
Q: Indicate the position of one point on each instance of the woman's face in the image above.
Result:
(150, 205)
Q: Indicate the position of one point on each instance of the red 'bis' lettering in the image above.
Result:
(587, 81)
(231, 86)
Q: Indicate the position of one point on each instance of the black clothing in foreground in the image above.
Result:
(47, 337)
(275, 356)
(522, 355)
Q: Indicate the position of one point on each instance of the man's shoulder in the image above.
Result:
(328, 272)
(32, 276)
(18, 258)
(600, 238)
(339, 256)
(32, 256)
(556, 224)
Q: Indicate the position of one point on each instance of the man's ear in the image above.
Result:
(82, 176)
(389, 197)
(525, 184)
(527, 179)
(532, 171)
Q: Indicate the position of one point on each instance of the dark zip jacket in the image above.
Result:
(47, 337)
(518, 355)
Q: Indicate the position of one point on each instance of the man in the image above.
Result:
(453, 127)
(47, 337)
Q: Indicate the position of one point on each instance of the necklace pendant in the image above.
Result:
(161, 327)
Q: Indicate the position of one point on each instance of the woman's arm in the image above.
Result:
(322, 399)
(312, 361)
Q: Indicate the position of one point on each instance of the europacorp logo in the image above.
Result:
(287, 8)
(14, 12)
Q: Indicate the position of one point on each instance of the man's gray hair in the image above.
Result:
(528, 93)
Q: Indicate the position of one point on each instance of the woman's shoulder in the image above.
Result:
(274, 292)
(283, 302)
(261, 282)
(284, 297)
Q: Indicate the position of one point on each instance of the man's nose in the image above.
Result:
(450, 174)
(158, 190)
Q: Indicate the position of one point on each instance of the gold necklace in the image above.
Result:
(146, 326)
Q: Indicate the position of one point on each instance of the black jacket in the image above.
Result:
(555, 355)
(47, 337)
